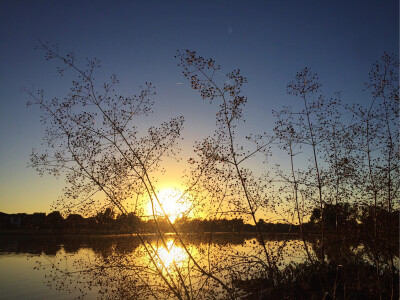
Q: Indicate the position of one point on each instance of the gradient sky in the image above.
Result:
(268, 40)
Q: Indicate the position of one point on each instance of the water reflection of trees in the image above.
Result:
(119, 266)
(121, 244)
(51, 245)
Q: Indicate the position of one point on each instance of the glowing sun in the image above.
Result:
(172, 202)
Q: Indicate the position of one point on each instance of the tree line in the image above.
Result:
(344, 218)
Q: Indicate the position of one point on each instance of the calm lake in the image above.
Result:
(105, 267)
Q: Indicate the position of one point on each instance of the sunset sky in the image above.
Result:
(137, 40)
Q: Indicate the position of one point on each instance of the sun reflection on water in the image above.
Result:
(173, 253)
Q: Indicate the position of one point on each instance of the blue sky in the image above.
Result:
(268, 40)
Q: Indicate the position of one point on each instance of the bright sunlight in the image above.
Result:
(173, 253)
(173, 204)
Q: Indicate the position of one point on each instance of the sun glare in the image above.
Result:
(172, 203)
(174, 253)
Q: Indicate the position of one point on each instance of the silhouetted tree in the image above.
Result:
(342, 216)
(221, 157)
(75, 222)
(55, 220)
(105, 219)
(92, 139)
